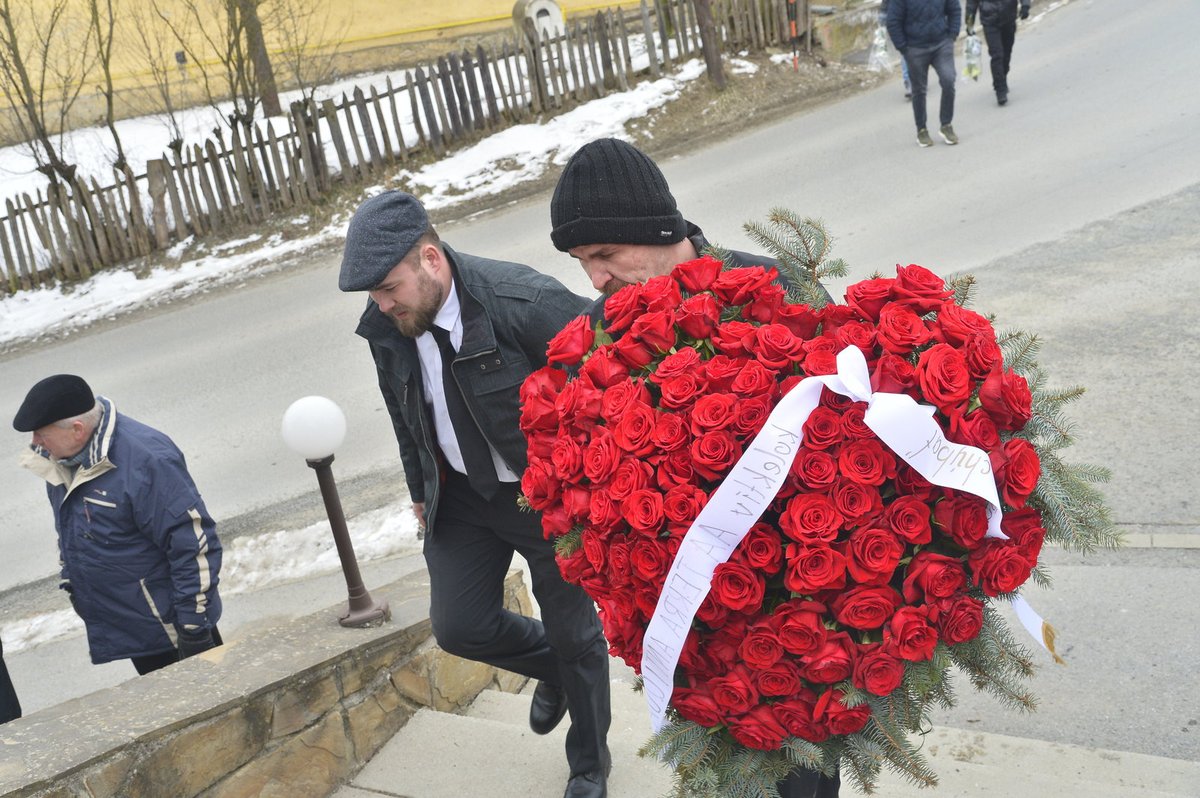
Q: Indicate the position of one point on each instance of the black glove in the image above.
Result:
(193, 642)
(1024, 12)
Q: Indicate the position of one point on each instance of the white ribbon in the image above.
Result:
(906, 427)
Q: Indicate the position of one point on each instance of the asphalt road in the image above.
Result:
(1077, 206)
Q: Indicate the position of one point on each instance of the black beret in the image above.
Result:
(53, 399)
(381, 233)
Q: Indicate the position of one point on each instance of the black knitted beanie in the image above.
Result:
(611, 193)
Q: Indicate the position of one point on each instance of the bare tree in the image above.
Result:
(45, 53)
(307, 40)
(267, 92)
(104, 22)
(168, 70)
(709, 43)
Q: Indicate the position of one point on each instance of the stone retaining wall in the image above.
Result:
(294, 710)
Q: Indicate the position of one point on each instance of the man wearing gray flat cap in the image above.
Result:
(453, 337)
(139, 552)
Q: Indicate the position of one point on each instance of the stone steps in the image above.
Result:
(490, 752)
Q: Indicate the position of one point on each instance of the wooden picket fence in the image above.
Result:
(243, 177)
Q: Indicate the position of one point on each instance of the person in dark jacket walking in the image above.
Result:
(924, 32)
(999, 20)
(139, 552)
(10, 707)
(453, 337)
(613, 211)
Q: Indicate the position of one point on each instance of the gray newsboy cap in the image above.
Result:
(382, 231)
(53, 399)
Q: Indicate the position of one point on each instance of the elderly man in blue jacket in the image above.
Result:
(139, 551)
(924, 32)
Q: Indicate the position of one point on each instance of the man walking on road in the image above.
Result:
(453, 337)
(924, 32)
(999, 20)
(139, 551)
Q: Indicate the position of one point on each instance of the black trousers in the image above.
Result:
(1000, 39)
(469, 551)
(10, 707)
(153, 662)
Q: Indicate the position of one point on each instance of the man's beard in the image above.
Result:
(418, 319)
(613, 286)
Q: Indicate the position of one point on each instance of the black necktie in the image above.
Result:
(477, 457)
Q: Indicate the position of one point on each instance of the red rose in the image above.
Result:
(919, 288)
(1017, 471)
(685, 361)
(867, 297)
(872, 555)
(819, 362)
(697, 275)
(648, 560)
(959, 618)
(813, 568)
(811, 518)
(963, 517)
(777, 347)
(670, 433)
(655, 330)
(998, 566)
(738, 286)
(910, 482)
(540, 484)
(676, 469)
(643, 509)
(909, 630)
(601, 456)
(752, 413)
(900, 330)
(983, 354)
(814, 468)
(681, 391)
(782, 678)
(604, 514)
(734, 692)
(572, 342)
(698, 316)
(943, 375)
(595, 547)
(622, 308)
(933, 576)
(631, 475)
(854, 423)
(974, 429)
(877, 670)
(604, 368)
(796, 715)
(760, 648)
(955, 324)
(736, 586)
(538, 399)
(758, 729)
(800, 319)
(1024, 529)
(713, 453)
(893, 375)
(697, 705)
(579, 404)
(635, 429)
(801, 625)
(734, 338)
(765, 303)
(1005, 397)
(567, 456)
(908, 517)
(762, 549)
(856, 502)
(865, 607)
(841, 718)
(722, 370)
(633, 352)
(822, 429)
(866, 461)
(753, 380)
(660, 293)
(830, 662)
(713, 411)
(856, 333)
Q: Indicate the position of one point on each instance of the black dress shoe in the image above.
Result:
(587, 785)
(548, 707)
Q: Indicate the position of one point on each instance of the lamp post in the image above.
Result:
(314, 427)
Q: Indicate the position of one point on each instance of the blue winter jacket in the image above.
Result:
(139, 551)
(923, 23)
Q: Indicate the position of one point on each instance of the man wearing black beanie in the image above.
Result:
(613, 211)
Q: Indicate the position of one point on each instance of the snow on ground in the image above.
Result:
(498, 162)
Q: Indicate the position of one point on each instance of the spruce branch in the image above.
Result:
(802, 247)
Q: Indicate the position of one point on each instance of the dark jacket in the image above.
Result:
(923, 23)
(139, 551)
(509, 313)
(994, 13)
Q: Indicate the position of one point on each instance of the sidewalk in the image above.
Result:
(491, 752)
